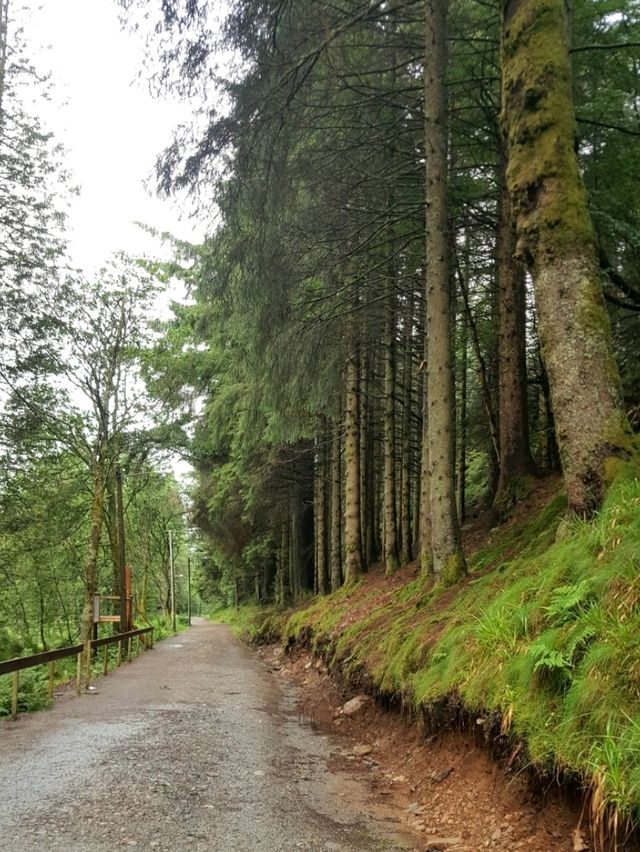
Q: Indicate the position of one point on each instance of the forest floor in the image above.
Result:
(445, 788)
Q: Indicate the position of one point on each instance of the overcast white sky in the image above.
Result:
(111, 125)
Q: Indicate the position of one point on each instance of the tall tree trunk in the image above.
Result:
(336, 511)
(370, 549)
(425, 487)
(556, 241)
(112, 530)
(366, 461)
(416, 468)
(391, 560)
(295, 548)
(461, 431)
(447, 561)
(352, 518)
(513, 419)
(283, 565)
(322, 574)
(91, 566)
(407, 388)
(483, 371)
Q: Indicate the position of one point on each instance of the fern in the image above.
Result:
(567, 601)
(548, 658)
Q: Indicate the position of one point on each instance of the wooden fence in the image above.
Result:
(16, 665)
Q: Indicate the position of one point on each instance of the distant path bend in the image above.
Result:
(194, 746)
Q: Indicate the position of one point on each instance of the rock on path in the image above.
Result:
(194, 746)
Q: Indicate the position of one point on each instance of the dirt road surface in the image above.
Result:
(193, 746)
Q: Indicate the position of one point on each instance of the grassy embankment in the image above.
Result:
(540, 644)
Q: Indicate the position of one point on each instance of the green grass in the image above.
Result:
(545, 635)
(249, 621)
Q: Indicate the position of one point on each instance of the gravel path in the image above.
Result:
(194, 746)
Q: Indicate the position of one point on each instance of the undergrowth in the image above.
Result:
(544, 634)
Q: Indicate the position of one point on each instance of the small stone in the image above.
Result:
(354, 705)
(362, 750)
(442, 844)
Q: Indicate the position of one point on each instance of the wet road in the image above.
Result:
(194, 746)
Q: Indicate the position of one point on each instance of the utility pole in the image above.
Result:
(173, 582)
(124, 621)
(189, 590)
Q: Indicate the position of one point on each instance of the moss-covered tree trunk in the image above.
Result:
(352, 518)
(391, 559)
(336, 511)
(447, 560)
(515, 460)
(556, 241)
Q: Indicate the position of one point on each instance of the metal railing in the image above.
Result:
(18, 664)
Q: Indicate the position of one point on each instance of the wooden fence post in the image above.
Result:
(79, 673)
(15, 680)
(51, 666)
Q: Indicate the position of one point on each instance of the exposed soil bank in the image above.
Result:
(534, 653)
(445, 787)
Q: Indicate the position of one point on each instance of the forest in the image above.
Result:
(363, 379)
(408, 347)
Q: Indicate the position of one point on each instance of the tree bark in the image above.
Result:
(417, 467)
(447, 561)
(91, 567)
(352, 519)
(295, 549)
(366, 458)
(461, 431)
(391, 559)
(407, 398)
(112, 530)
(513, 419)
(336, 511)
(322, 577)
(557, 243)
(425, 488)
(283, 566)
